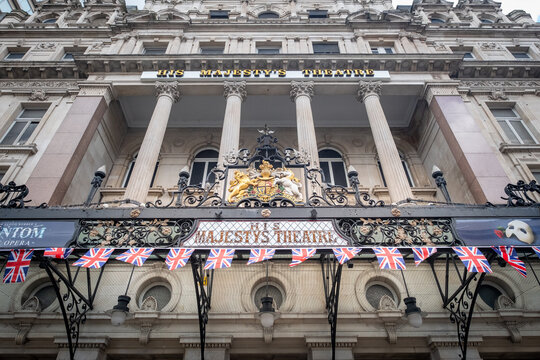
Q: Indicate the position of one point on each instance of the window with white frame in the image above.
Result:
(201, 169)
(513, 126)
(23, 126)
(405, 168)
(129, 171)
(3, 172)
(382, 50)
(333, 167)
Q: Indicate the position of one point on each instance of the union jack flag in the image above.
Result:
(508, 253)
(178, 258)
(422, 253)
(58, 253)
(135, 256)
(258, 255)
(94, 258)
(536, 250)
(219, 258)
(17, 266)
(301, 255)
(389, 258)
(345, 254)
(473, 259)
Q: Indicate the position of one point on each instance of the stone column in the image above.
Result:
(396, 179)
(235, 92)
(56, 168)
(301, 94)
(167, 94)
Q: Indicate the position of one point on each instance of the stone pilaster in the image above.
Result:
(396, 179)
(89, 348)
(320, 348)
(301, 94)
(217, 348)
(447, 348)
(235, 92)
(167, 94)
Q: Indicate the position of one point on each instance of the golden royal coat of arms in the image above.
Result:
(265, 184)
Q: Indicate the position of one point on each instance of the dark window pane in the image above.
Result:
(521, 130)
(503, 113)
(13, 133)
(49, 21)
(210, 175)
(207, 154)
(154, 50)
(32, 113)
(268, 51)
(382, 173)
(389, 50)
(268, 15)
(128, 175)
(325, 48)
(67, 56)
(219, 14)
(326, 171)
(508, 131)
(489, 294)
(46, 296)
(468, 55)
(154, 174)
(437, 21)
(339, 173)
(317, 14)
(211, 50)
(329, 154)
(197, 173)
(407, 173)
(374, 50)
(27, 132)
(521, 55)
(15, 56)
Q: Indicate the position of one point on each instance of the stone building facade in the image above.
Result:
(352, 85)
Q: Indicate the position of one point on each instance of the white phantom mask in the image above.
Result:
(521, 231)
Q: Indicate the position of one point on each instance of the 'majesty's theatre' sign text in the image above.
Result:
(178, 74)
(251, 234)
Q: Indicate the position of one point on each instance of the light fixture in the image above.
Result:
(440, 181)
(120, 311)
(267, 312)
(413, 312)
(96, 182)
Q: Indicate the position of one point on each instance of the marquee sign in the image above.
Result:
(216, 74)
(35, 234)
(276, 234)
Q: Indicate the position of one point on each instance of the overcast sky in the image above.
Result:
(531, 6)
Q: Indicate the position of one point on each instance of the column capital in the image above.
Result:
(171, 89)
(368, 88)
(235, 88)
(302, 88)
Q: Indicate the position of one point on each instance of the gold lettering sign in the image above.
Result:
(262, 73)
(276, 234)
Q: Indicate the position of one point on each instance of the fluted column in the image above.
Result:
(235, 92)
(301, 94)
(167, 94)
(398, 186)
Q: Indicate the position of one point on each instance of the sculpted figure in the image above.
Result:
(291, 185)
(239, 185)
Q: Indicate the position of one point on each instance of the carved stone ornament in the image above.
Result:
(46, 46)
(487, 46)
(368, 88)
(22, 333)
(149, 304)
(144, 336)
(302, 88)
(32, 304)
(235, 88)
(38, 95)
(498, 94)
(504, 302)
(171, 89)
(387, 303)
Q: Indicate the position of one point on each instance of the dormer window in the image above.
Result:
(49, 21)
(437, 21)
(268, 15)
(219, 14)
(318, 14)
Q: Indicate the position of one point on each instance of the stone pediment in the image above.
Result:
(375, 15)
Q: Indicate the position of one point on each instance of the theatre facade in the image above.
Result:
(363, 158)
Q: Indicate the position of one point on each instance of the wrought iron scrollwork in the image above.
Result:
(518, 194)
(73, 304)
(133, 233)
(12, 195)
(397, 231)
(331, 271)
(203, 291)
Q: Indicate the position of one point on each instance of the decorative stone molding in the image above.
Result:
(302, 88)
(32, 85)
(498, 94)
(490, 46)
(104, 90)
(391, 331)
(145, 330)
(504, 302)
(38, 95)
(387, 303)
(500, 84)
(171, 89)
(210, 343)
(443, 341)
(22, 333)
(235, 88)
(46, 46)
(98, 342)
(149, 304)
(513, 329)
(32, 305)
(325, 342)
(440, 90)
(368, 88)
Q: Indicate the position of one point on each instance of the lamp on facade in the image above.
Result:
(267, 313)
(120, 312)
(412, 312)
(99, 175)
(440, 181)
(183, 178)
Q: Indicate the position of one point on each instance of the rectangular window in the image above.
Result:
(23, 126)
(521, 55)
(68, 56)
(154, 50)
(326, 48)
(382, 50)
(15, 55)
(219, 14)
(513, 126)
(212, 49)
(317, 14)
(268, 50)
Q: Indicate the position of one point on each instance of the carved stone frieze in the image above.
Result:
(490, 46)
(171, 89)
(500, 84)
(498, 94)
(32, 85)
(368, 88)
(302, 88)
(235, 88)
(22, 333)
(46, 46)
(96, 90)
(38, 95)
(145, 330)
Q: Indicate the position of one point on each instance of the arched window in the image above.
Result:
(437, 21)
(130, 170)
(486, 21)
(405, 167)
(203, 163)
(268, 15)
(49, 21)
(333, 167)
